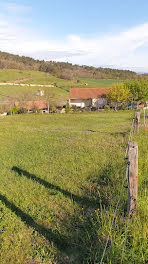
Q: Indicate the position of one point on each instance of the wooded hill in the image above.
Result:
(64, 70)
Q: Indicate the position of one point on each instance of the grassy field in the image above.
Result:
(30, 93)
(60, 179)
(60, 91)
(95, 83)
(36, 77)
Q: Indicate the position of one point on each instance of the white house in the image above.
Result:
(40, 92)
(87, 97)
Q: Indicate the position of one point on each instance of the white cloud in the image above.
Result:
(119, 50)
(13, 7)
(3, 23)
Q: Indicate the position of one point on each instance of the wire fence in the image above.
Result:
(120, 194)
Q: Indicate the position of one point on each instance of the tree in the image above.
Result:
(24, 98)
(5, 107)
(12, 101)
(50, 99)
(118, 94)
(138, 90)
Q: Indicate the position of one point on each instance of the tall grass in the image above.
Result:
(60, 180)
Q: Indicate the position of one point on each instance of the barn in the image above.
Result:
(87, 97)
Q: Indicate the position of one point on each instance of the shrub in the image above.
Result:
(4, 108)
(53, 109)
(93, 108)
(123, 107)
(67, 109)
(38, 110)
(74, 107)
(106, 107)
(15, 110)
(22, 111)
(35, 109)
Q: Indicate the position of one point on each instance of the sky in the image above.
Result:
(109, 33)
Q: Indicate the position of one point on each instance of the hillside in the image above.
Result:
(58, 92)
(64, 70)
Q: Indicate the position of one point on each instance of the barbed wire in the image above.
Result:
(113, 217)
(127, 222)
(125, 235)
(123, 249)
(124, 180)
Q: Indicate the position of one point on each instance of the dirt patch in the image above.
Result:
(21, 80)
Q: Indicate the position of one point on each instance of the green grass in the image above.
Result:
(30, 92)
(31, 77)
(95, 83)
(60, 91)
(60, 179)
(36, 77)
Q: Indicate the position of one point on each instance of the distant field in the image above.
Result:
(99, 83)
(30, 92)
(26, 77)
(60, 179)
(34, 77)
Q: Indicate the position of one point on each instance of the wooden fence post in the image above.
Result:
(144, 117)
(136, 122)
(132, 178)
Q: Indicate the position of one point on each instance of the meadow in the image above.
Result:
(60, 179)
(60, 91)
(99, 83)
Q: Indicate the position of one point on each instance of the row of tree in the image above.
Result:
(134, 91)
(65, 70)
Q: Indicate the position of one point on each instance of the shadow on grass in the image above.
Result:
(123, 134)
(83, 201)
(83, 226)
(106, 185)
(59, 240)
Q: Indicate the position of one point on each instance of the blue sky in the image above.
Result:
(100, 33)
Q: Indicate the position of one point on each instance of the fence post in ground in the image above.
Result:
(132, 178)
(136, 122)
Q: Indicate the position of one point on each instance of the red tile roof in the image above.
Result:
(86, 93)
(31, 104)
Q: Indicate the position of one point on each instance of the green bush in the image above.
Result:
(53, 109)
(38, 110)
(22, 111)
(74, 107)
(123, 107)
(15, 110)
(67, 109)
(107, 107)
(93, 108)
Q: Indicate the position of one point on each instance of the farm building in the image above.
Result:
(29, 105)
(87, 97)
(40, 92)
